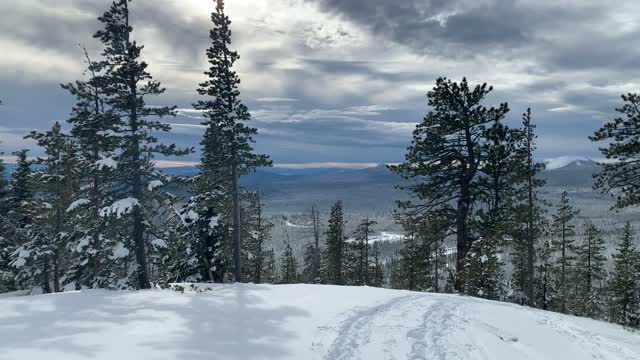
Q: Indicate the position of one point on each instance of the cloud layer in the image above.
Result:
(342, 81)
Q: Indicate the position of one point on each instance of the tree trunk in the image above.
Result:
(237, 240)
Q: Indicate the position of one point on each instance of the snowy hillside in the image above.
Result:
(296, 322)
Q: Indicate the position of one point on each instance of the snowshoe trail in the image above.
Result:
(446, 327)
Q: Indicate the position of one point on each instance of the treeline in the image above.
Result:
(474, 179)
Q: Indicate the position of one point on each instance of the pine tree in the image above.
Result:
(446, 156)
(546, 290)
(484, 274)
(361, 246)
(376, 271)
(7, 274)
(336, 246)
(289, 266)
(624, 288)
(589, 276)
(21, 191)
(127, 84)
(563, 232)
(415, 258)
(530, 212)
(270, 273)
(313, 253)
(257, 231)
(95, 128)
(227, 143)
(618, 177)
(56, 184)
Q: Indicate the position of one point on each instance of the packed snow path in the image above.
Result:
(296, 322)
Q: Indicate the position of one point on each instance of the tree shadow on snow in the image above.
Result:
(229, 322)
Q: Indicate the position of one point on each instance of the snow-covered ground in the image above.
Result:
(383, 236)
(296, 322)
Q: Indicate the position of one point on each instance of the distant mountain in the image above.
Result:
(372, 189)
(577, 173)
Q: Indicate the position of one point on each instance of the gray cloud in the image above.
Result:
(343, 80)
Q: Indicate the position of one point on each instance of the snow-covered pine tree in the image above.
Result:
(563, 245)
(17, 223)
(7, 272)
(624, 287)
(289, 266)
(530, 214)
(43, 259)
(361, 247)
(94, 126)
(484, 273)
(227, 144)
(619, 176)
(128, 84)
(446, 155)
(590, 275)
(336, 247)
(312, 253)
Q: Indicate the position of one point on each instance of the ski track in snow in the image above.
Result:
(356, 330)
(444, 328)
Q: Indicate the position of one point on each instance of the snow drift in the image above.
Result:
(296, 322)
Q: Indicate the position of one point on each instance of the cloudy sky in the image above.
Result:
(342, 81)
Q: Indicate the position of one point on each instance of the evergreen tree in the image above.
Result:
(6, 244)
(361, 246)
(336, 246)
(590, 273)
(563, 232)
(312, 261)
(95, 128)
(619, 176)
(227, 143)
(376, 270)
(546, 291)
(289, 266)
(446, 156)
(257, 233)
(624, 288)
(313, 253)
(21, 191)
(531, 214)
(270, 273)
(41, 259)
(484, 274)
(128, 84)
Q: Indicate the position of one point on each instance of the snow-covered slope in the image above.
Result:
(296, 322)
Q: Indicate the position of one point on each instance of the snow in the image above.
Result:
(159, 243)
(290, 224)
(154, 184)
(76, 204)
(106, 162)
(383, 236)
(296, 322)
(562, 161)
(119, 251)
(120, 207)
